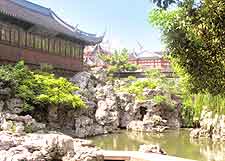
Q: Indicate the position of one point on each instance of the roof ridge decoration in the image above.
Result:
(46, 18)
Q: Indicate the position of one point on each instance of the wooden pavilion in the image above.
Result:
(150, 60)
(37, 35)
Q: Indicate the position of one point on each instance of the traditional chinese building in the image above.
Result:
(150, 60)
(37, 35)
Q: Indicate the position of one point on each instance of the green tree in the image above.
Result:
(194, 36)
(118, 61)
(164, 4)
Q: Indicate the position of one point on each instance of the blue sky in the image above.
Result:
(125, 21)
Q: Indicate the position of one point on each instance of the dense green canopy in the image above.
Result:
(194, 34)
(164, 3)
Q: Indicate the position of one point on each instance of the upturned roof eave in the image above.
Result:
(69, 30)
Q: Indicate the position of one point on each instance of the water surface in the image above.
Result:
(174, 142)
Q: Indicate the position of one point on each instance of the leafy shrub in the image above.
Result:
(46, 67)
(159, 99)
(131, 67)
(193, 105)
(118, 62)
(36, 88)
(137, 87)
(131, 78)
(154, 80)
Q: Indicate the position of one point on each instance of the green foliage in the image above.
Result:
(138, 87)
(46, 67)
(194, 36)
(164, 4)
(193, 105)
(131, 78)
(28, 129)
(154, 80)
(159, 99)
(13, 129)
(118, 62)
(36, 88)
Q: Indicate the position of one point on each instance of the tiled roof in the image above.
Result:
(46, 18)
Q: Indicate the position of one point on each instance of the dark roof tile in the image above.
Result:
(46, 18)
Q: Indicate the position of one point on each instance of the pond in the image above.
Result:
(174, 142)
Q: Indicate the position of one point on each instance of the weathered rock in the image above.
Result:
(87, 84)
(212, 126)
(34, 126)
(81, 79)
(19, 124)
(15, 105)
(19, 127)
(126, 107)
(127, 115)
(152, 149)
(152, 124)
(100, 74)
(107, 113)
(152, 92)
(136, 126)
(218, 131)
(86, 127)
(104, 91)
(195, 133)
(5, 91)
(107, 110)
(7, 125)
(8, 140)
(1, 105)
(46, 147)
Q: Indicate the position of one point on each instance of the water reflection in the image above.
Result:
(212, 151)
(176, 142)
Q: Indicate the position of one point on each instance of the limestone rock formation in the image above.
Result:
(15, 105)
(46, 147)
(107, 110)
(152, 124)
(212, 126)
(19, 124)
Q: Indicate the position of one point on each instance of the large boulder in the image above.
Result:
(107, 113)
(218, 132)
(81, 79)
(9, 140)
(126, 106)
(46, 147)
(211, 125)
(19, 124)
(152, 124)
(86, 126)
(15, 105)
(87, 84)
